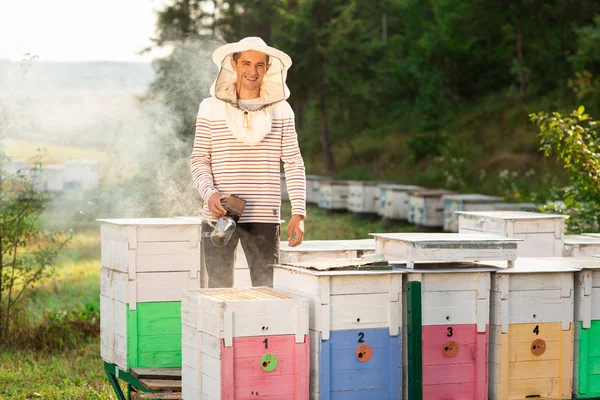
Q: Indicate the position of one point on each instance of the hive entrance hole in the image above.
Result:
(533, 396)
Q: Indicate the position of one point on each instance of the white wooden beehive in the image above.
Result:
(393, 201)
(445, 247)
(426, 207)
(333, 195)
(581, 246)
(538, 295)
(343, 300)
(213, 318)
(143, 260)
(465, 202)
(363, 197)
(542, 234)
(313, 186)
(312, 249)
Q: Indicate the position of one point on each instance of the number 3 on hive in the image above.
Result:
(450, 331)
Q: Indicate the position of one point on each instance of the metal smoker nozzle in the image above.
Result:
(223, 230)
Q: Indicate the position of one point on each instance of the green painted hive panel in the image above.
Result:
(588, 361)
(154, 335)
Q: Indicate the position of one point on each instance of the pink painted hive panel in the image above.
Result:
(455, 362)
(265, 367)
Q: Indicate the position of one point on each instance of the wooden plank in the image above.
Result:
(414, 341)
(156, 373)
(161, 384)
(164, 396)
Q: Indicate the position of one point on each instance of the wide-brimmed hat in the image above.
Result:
(273, 88)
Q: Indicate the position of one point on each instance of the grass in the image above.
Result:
(78, 373)
(54, 154)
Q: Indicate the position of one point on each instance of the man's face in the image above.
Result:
(251, 68)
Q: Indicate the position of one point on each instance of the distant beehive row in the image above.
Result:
(508, 308)
(428, 208)
(74, 175)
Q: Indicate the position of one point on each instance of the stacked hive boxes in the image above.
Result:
(426, 207)
(465, 202)
(363, 197)
(313, 187)
(581, 246)
(393, 201)
(333, 195)
(243, 344)
(586, 372)
(355, 328)
(542, 234)
(146, 265)
(531, 341)
(447, 310)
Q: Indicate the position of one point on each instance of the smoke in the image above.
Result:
(141, 117)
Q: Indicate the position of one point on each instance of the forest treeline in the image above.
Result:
(431, 91)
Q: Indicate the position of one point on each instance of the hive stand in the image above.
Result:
(145, 383)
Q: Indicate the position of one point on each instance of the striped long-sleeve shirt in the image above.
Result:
(222, 163)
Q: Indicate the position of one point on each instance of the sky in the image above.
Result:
(78, 30)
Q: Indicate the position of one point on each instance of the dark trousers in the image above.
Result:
(260, 242)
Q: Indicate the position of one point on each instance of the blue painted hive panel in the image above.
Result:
(360, 364)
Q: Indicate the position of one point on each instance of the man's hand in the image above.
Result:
(295, 230)
(214, 204)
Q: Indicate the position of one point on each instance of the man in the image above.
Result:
(243, 132)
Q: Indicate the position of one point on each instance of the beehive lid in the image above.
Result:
(472, 198)
(149, 221)
(336, 267)
(447, 267)
(233, 294)
(329, 245)
(597, 235)
(530, 265)
(358, 244)
(313, 246)
(430, 192)
(400, 188)
(510, 215)
(445, 240)
(582, 239)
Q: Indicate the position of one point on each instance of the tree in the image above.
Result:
(27, 252)
(575, 142)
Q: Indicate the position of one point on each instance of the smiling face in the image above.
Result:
(251, 67)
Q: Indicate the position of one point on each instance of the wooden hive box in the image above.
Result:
(414, 248)
(465, 202)
(542, 234)
(426, 207)
(363, 197)
(355, 329)
(312, 249)
(393, 201)
(146, 266)
(531, 330)
(586, 365)
(313, 187)
(448, 310)
(243, 344)
(581, 245)
(333, 195)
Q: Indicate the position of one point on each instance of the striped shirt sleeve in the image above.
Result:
(293, 165)
(200, 160)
